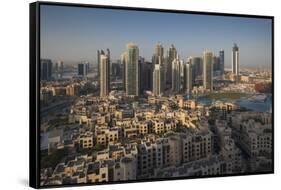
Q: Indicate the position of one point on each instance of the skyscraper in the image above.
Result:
(56, 71)
(104, 76)
(221, 56)
(216, 66)
(176, 78)
(132, 70)
(142, 69)
(98, 62)
(87, 67)
(146, 74)
(197, 68)
(83, 69)
(216, 63)
(158, 56)
(208, 70)
(157, 80)
(99, 52)
(46, 69)
(235, 61)
(59, 69)
(123, 63)
(188, 76)
(116, 70)
(158, 59)
(109, 61)
(171, 56)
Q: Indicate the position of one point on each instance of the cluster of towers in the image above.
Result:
(164, 72)
(131, 75)
(48, 71)
(168, 72)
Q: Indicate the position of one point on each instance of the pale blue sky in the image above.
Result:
(76, 33)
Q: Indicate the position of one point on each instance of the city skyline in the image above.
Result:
(167, 108)
(73, 34)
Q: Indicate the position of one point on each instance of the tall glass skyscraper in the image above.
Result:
(46, 69)
(99, 52)
(171, 56)
(221, 57)
(197, 68)
(159, 69)
(188, 76)
(235, 60)
(208, 70)
(176, 77)
(59, 70)
(83, 69)
(157, 80)
(123, 63)
(132, 70)
(146, 74)
(158, 56)
(104, 68)
(109, 61)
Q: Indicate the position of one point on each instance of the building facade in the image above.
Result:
(235, 61)
(157, 80)
(46, 69)
(104, 75)
(221, 57)
(188, 76)
(208, 70)
(132, 70)
(171, 56)
(83, 69)
(176, 78)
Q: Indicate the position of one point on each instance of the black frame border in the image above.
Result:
(34, 90)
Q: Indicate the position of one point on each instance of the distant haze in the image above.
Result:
(74, 34)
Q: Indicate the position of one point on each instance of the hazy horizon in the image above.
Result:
(74, 34)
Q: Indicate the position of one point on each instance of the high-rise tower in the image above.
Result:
(171, 56)
(188, 76)
(83, 69)
(158, 60)
(221, 57)
(208, 70)
(132, 70)
(157, 80)
(123, 63)
(104, 68)
(176, 77)
(235, 61)
(46, 69)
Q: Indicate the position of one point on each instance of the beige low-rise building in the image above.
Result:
(86, 140)
(130, 131)
(79, 177)
(143, 127)
(97, 172)
(105, 136)
(190, 104)
(123, 122)
(158, 126)
(102, 155)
